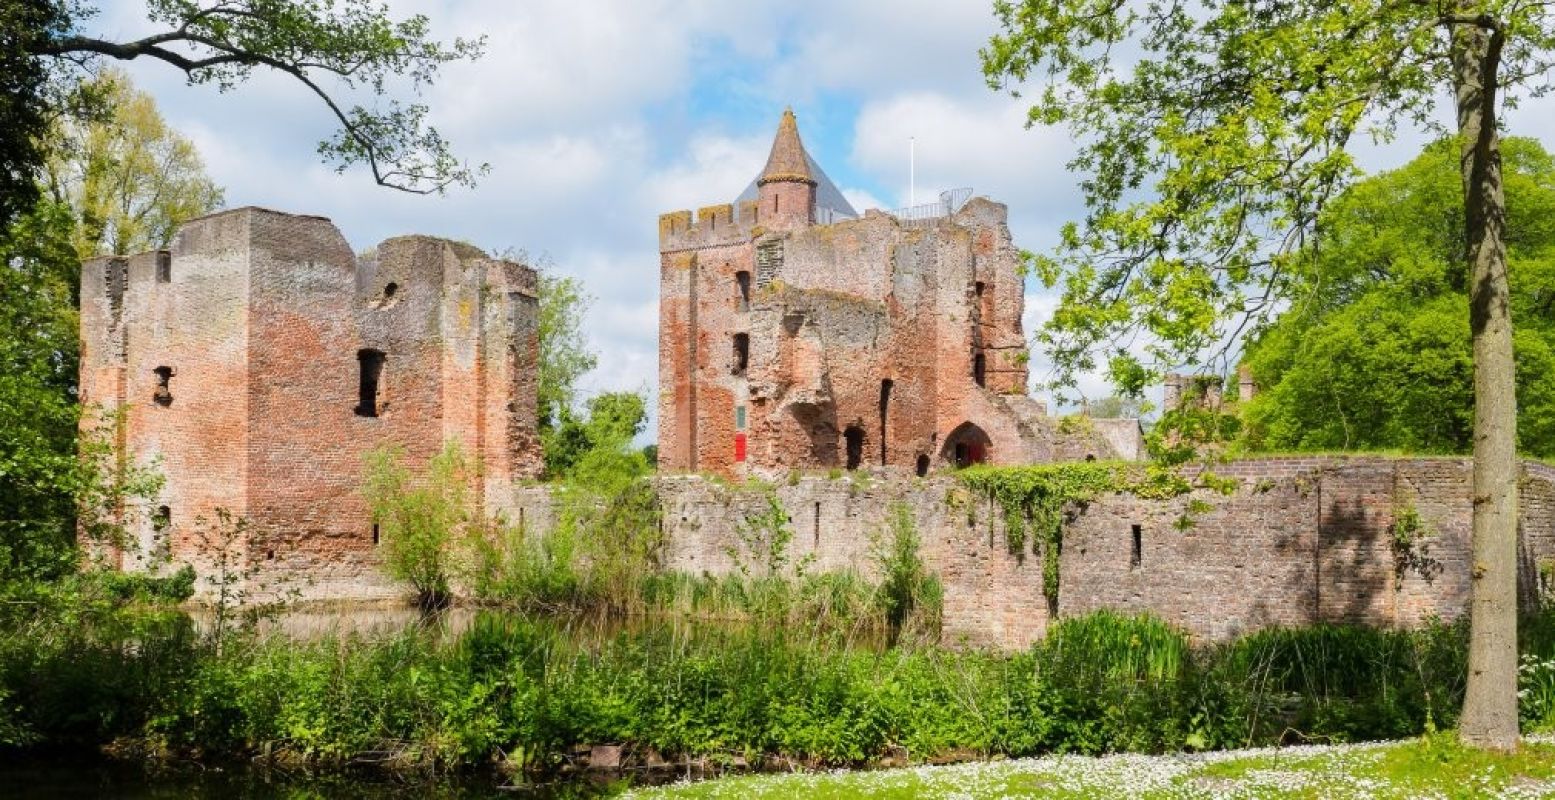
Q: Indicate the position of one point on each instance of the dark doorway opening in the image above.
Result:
(923, 464)
(967, 445)
(853, 438)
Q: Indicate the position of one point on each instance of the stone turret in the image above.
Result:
(787, 186)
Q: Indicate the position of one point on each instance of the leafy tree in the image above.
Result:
(131, 179)
(1212, 135)
(564, 353)
(422, 517)
(328, 46)
(600, 441)
(1116, 407)
(1374, 351)
(38, 410)
(26, 98)
(52, 485)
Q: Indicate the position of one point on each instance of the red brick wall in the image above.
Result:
(263, 321)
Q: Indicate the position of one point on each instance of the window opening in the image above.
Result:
(854, 437)
(371, 363)
(389, 290)
(742, 352)
(163, 395)
(164, 266)
(980, 369)
(376, 534)
(817, 524)
(885, 408)
(743, 280)
(979, 288)
(1136, 555)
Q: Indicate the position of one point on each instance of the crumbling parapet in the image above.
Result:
(259, 359)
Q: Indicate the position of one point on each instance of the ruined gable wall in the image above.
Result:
(999, 306)
(195, 323)
(310, 529)
(509, 435)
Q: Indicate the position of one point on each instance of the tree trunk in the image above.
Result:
(1490, 701)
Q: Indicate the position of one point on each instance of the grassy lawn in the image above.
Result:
(1434, 768)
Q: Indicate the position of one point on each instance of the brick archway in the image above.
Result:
(967, 445)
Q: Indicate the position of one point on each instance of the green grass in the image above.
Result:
(1431, 767)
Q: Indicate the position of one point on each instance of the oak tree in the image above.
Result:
(1211, 135)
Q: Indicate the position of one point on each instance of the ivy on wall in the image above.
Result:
(1034, 498)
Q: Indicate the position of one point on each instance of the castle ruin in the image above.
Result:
(796, 334)
(257, 360)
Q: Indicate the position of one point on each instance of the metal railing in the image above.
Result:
(950, 201)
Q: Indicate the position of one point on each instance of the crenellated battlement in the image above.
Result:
(714, 225)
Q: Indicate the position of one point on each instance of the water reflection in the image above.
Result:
(68, 780)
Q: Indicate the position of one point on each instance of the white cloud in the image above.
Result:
(595, 119)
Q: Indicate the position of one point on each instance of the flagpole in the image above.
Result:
(912, 171)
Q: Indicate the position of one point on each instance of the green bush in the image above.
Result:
(532, 690)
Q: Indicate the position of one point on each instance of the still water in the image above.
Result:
(37, 779)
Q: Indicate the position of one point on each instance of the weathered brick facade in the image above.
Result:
(874, 341)
(1300, 541)
(259, 359)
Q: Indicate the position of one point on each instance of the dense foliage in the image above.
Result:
(533, 691)
(131, 179)
(27, 98)
(1210, 137)
(1374, 350)
(40, 473)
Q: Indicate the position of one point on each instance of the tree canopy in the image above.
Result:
(1212, 135)
(1374, 352)
(332, 48)
(130, 178)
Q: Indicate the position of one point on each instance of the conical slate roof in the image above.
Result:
(789, 161)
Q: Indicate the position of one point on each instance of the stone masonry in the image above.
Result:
(1300, 541)
(794, 334)
(259, 359)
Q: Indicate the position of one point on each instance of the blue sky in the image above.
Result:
(597, 116)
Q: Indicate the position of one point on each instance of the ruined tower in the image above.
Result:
(795, 334)
(257, 361)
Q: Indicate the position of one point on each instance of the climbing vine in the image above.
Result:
(1034, 498)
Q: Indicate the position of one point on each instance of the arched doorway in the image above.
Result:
(967, 445)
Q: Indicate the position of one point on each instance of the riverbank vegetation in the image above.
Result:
(530, 692)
